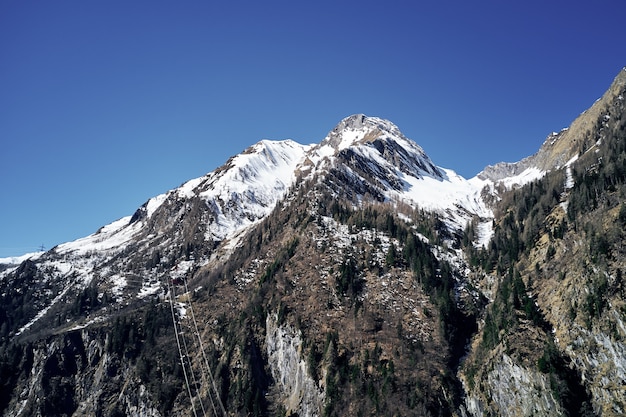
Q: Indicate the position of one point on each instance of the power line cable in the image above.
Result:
(180, 351)
(204, 356)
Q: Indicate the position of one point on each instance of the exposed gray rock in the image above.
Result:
(299, 392)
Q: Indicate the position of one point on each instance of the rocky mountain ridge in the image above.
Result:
(559, 148)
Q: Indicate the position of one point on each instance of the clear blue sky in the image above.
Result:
(104, 104)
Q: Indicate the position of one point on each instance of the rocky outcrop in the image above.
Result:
(512, 390)
(298, 392)
(74, 375)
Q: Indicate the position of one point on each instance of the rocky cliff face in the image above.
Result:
(300, 393)
(350, 277)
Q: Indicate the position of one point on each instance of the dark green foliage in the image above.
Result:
(391, 257)
(622, 215)
(151, 346)
(126, 337)
(521, 223)
(604, 174)
(491, 331)
(154, 261)
(89, 301)
(256, 385)
(531, 212)
(511, 302)
(349, 283)
(19, 298)
(285, 254)
(313, 360)
(374, 378)
(242, 388)
(143, 339)
(596, 300)
(599, 246)
(564, 381)
(381, 219)
(549, 361)
(58, 377)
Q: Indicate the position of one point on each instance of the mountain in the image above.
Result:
(349, 277)
(554, 329)
(562, 148)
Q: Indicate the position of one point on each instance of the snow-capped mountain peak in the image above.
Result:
(376, 158)
(361, 129)
(363, 134)
(249, 186)
(238, 194)
(356, 129)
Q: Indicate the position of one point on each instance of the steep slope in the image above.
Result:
(330, 294)
(187, 222)
(92, 314)
(555, 330)
(377, 160)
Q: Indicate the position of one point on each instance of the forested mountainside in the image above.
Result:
(557, 258)
(352, 277)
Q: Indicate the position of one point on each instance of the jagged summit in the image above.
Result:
(369, 150)
(366, 133)
(248, 186)
(359, 129)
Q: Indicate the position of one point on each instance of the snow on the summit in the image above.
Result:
(240, 195)
(252, 185)
(249, 186)
(187, 189)
(349, 137)
(427, 187)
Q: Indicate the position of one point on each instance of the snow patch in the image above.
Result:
(114, 235)
(187, 189)
(484, 231)
(455, 197)
(154, 203)
(16, 260)
(525, 177)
